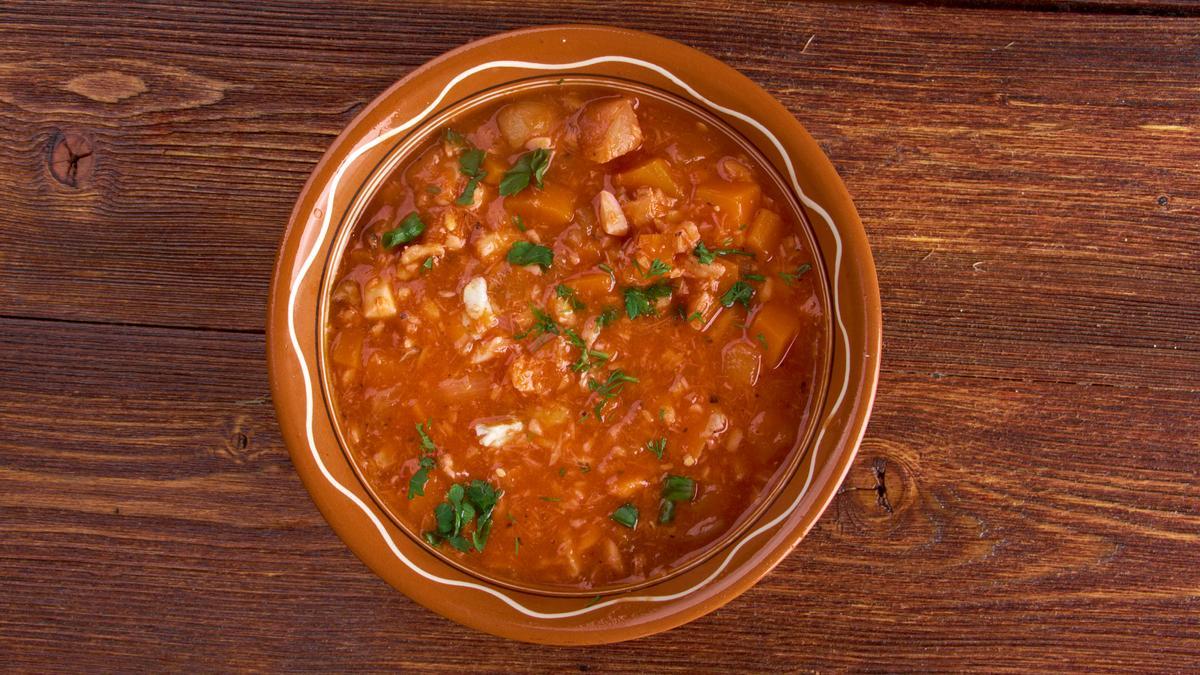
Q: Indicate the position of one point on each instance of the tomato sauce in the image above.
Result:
(575, 337)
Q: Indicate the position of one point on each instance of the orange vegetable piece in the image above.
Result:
(735, 202)
(554, 205)
(778, 325)
(495, 168)
(728, 324)
(655, 173)
(765, 231)
(592, 286)
(651, 246)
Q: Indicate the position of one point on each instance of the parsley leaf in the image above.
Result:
(640, 301)
(519, 223)
(587, 357)
(793, 277)
(428, 264)
(754, 277)
(675, 489)
(658, 446)
(706, 256)
(476, 503)
(529, 166)
(657, 268)
(627, 515)
(608, 389)
(410, 228)
(741, 292)
(542, 323)
(608, 270)
(416, 484)
(567, 293)
(455, 137)
(528, 253)
(606, 317)
(470, 164)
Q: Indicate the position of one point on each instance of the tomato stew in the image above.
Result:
(575, 338)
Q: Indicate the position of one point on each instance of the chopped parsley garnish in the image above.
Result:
(792, 277)
(470, 164)
(694, 316)
(606, 317)
(762, 340)
(542, 323)
(529, 166)
(416, 484)
(608, 389)
(706, 256)
(754, 277)
(741, 292)
(675, 489)
(550, 499)
(455, 137)
(517, 546)
(519, 223)
(562, 471)
(608, 270)
(567, 293)
(428, 264)
(410, 228)
(657, 268)
(627, 515)
(475, 503)
(587, 357)
(658, 446)
(525, 253)
(640, 301)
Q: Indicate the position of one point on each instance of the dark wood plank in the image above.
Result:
(1028, 178)
(149, 517)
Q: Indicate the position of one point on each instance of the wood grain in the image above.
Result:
(1027, 497)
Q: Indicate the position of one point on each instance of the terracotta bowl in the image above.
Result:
(343, 182)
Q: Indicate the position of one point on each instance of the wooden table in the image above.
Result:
(1028, 494)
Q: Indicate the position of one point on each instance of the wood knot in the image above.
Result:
(72, 158)
(876, 494)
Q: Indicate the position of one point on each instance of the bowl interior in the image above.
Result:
(403, 148)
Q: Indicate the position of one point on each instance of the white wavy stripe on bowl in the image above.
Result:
(308, 387)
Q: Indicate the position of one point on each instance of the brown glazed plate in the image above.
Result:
(347, 176)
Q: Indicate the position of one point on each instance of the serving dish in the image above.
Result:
(334, 197)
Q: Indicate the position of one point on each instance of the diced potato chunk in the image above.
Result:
(656, 173)
(378, 300)
(778, 324)
(765, 231)
(612, 218)
(554, 205)
(741, 363)
(736, 202)
(608, 128)
(524, 120)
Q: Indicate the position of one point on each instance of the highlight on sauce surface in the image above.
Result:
(574, 338)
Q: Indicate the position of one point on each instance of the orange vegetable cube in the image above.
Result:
(778, 324)
(654, 173)
(735, 202)
(495, 167)
(728, 324)
(592, 286)
(553, 206)
(651, 246)
(765, 231)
